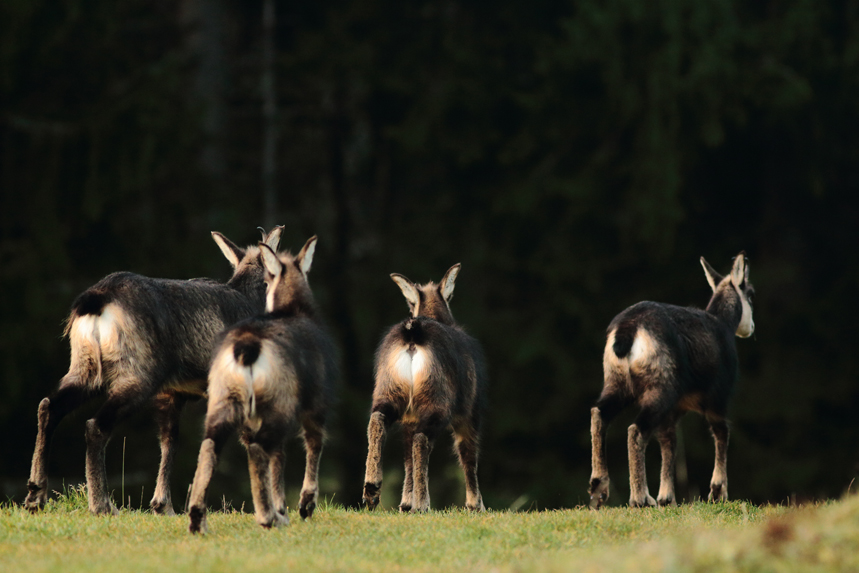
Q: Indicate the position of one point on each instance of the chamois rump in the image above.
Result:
(670, 360)
(430, 375)
(136, 339)
(269, 374)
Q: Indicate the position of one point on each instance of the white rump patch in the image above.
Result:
(412, 367)
(643, 347)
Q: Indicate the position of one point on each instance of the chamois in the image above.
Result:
(269, 373)
(670, 360)
(430, 375)
(136, 339)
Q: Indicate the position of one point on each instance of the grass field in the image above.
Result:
(696, 537)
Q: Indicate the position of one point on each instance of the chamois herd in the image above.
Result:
(258, 350)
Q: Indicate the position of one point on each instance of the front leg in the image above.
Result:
(421, 449)
(313, 436)
(467, 450)
(277, 460)
(168, 407)
(639, 495)
(376, 432)
(667, 437)
(259, 464)
(719, 483)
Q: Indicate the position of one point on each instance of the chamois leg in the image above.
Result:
(67, 398)
(654, 413)
(313, 435)
(277, 459)
(719, 483)
(425, 435)
(220, 423)
(421, 449)
(607, 408)
(259, 464)
(376, 432)
(131, 395)
(467, 448)
(408, 481)
(168, 406)
(667, 436)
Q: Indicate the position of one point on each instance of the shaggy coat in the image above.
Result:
(670, 360)
(430, 375)
(137, 340)
(270, 374)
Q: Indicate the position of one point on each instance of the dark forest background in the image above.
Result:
(576, 157)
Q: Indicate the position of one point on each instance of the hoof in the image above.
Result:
(160, 507)
(278, 520)
(306, 511)
(405, 507)
(477, 507)
(371, 495)
(36, 498)
(599, 492)
(648, 501)
(718, 493)
(198, 521)
(666, 501)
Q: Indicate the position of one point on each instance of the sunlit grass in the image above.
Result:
(693, 537)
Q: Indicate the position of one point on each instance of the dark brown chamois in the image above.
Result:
(430, 375)
(269, 375)
(137, 339)
(669, 360)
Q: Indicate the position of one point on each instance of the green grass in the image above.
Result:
(693, 537)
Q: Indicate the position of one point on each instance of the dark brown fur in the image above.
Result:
(430, 375)
(669, 360)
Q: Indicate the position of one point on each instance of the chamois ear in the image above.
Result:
(233, 253)
(409, 289)
(449, 281)
(305, 257)
(272, 239)
(739, 270)
(713, 277)
(270, 260)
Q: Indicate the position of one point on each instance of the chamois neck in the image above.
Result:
(249, 282)
(726, 305)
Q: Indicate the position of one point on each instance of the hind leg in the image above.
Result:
(220, 423)
(129, 397)
(313, 435)
(384, 414)
(168, 407)
(719, 483)
(67, 398)
(466, 444)
(608, 407)
(406, 500)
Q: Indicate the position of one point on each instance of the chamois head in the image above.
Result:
(246, 263)
(430, 300)
(286, 278)
(733, 288)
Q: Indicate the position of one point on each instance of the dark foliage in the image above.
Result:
(576, 157)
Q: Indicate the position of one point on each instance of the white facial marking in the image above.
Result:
(747, 322)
